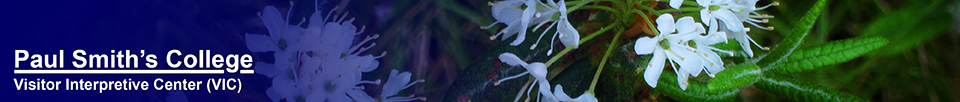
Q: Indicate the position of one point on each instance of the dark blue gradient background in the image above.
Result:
(157, 26)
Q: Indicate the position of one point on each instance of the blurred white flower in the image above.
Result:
(396, 83)
(317, 63)
(283, 39)
(671, 45)
(536, 69)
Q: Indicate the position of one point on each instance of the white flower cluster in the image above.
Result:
(530, 12)
(320, 63)
(539, 71)
(685, 44)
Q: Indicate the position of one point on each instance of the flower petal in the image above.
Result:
(652, 73)
(360, 96)
(545, 89)
(561, 96)
(513, 27)
(689, 60)
(711, 60)
(395, 83)
(537, 69)
(682, 79)
(316, 19)
(512, 59)
(704, 3)
(646, 45)
(273, 94)
(525, 19)
(266, 69)
(729, 19)
(260, 43)
(506, 10)
(675, 4)
(273, 20)
(586, 97)
(705, 16)
(744, 40)
(665, 24)
(568, 35)
(687, 25)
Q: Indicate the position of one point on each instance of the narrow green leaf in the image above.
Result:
(802, 92)
(735, 76)
(696, 91)
(793, 40)
(828, 54)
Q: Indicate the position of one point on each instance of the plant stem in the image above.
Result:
(650, 24)
(555, 71)
(603, 62)
(648, 8)
(683, 9)
(615, 12)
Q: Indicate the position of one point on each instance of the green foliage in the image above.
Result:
(828, 54)
(730, 45)
(793, 40)
(908, 28)
(735, 76)
(802, 92)
(696, 91)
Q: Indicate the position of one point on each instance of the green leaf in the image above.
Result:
(909, 27)
(735, 76)
(696, 91)
(828, 54)
(802, 92)
(793, 40)
(730, 45)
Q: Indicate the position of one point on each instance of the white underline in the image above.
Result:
(246, 71)
(126, 71)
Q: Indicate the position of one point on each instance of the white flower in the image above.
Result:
(536, 69)
(339, 67)
(519, 15)
(710, 59)
(396, 83)
(562, 96)
(283, 39)
(715, 11)
(507, 12)
(317, 63)
(743, 10)
(672, 47)
(731, 13)
(567, 33)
